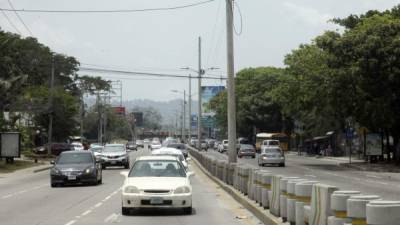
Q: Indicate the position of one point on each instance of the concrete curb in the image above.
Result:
(263, 215)
(42, 169)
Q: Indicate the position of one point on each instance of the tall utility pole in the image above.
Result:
(190, 107)
(50, 134)
(184, 116)
(231, 84)
(199, 100)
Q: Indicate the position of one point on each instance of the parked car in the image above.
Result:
(181, 147)
(77, 146)
(115, 155)
(193, 142)
(140, 143)
(75, 167)
(223, 147)
(131, 145)
(56, 149)
(157, 182)
(271, 155)
(246, 150)
(146, 141)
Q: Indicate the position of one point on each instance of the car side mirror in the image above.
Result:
(124, 173)
(52, 162)
(190, 174)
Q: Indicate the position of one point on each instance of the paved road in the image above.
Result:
(28, 199)
(387, 185)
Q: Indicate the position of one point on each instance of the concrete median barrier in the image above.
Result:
(320, 204)
(303, 192)
(339, 207)
(291, 200)
(283, 197)
(274, 197)
(266, 179)
(251, 186)
(357, 207)
(381, 212)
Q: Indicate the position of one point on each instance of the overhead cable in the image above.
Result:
(110, 11)
(10, 22)
(20, 19)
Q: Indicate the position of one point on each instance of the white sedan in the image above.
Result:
(157, 182)
(173, 152)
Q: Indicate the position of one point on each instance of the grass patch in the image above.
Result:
(17, 165)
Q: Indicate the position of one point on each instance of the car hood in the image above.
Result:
(73, 167)
(167, 183)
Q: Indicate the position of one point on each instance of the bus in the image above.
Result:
(282, 137)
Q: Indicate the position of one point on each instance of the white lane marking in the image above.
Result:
(98, 204)
(86, 212)
(111, 218)
(310, 175)
(373, 176)
(71, 222)
(22, 191)
(383, 183)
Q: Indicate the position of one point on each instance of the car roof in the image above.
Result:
(167, 150)
(157, 157)
(74, 152)
(114, 145)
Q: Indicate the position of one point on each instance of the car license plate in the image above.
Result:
(71, 177)
(156, 201)
(113, 162)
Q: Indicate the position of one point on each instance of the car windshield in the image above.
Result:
(246, 146)
(75, 158)
(272, 150)
(180, 157)
(157, 168)
(269, 142)
(96, 149)
(113, 149)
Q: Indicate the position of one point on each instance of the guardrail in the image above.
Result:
(300, 201)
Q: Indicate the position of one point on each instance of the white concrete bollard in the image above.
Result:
(252, 183)
(320, 204)
(303, 191)
(291, 200)
(236, 177)
(259, 186)
(356, 208)
(283, 197)
(381, 212)
(266, 180)
(274, 202)
(339, 207)
(247, 172)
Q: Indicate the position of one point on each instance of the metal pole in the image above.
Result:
(184, 116)
(190, 106)
(199, 99)
(50, 134)
(231, 84)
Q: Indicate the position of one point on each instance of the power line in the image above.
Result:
(134, 73)
(10, 22)
(110, 11)
(20, 19)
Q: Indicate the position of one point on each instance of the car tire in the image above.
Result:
(53, 185)
(187, 210)
(125, 211)
(127, 166)
(253, 157)
(282, 164)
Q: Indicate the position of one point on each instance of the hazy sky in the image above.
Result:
(166, 41)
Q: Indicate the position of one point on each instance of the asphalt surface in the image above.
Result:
(28, 199)
(328, 171)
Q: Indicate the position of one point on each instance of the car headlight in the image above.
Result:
(182, 190)
(89, 170)
(265, 157)
(55, 171)
(131, 189)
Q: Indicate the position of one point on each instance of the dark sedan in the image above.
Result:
(246, 150)
(75, 167)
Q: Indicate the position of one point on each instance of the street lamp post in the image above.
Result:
(183, 128)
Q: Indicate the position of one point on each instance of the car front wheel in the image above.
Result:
(125, 211)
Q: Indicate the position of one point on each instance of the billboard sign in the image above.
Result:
(374, 144)
(207, 93)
